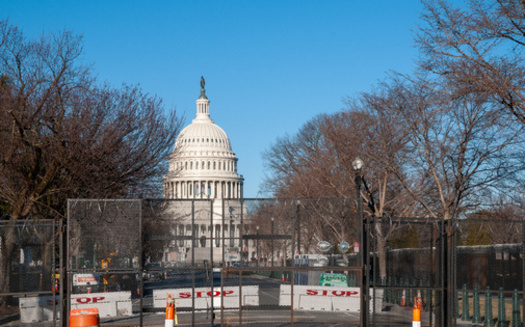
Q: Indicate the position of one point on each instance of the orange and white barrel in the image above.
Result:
(84, 318)
(170, 313)
(416, 318)
(416, 313)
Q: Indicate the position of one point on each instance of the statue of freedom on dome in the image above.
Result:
(203, 92)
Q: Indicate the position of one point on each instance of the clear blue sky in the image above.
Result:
(270, 66)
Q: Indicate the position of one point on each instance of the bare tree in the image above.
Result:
(65, 136)
(429, 153)
(317, 163)
(457, 150)
(477, 48)
(314, 164)
(382, 140)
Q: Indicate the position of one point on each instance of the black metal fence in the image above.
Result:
(269, 261)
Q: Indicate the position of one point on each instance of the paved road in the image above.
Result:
(268, 313)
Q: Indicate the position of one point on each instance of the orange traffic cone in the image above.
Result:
(282, 277)
(416, 313)
(403, 299)
(84, 317)
(170, 311)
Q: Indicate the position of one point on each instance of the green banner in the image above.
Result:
(328, 279)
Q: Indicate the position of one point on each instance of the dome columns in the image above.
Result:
(206, 236)
(203, 189)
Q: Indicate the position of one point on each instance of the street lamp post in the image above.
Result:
(272, 238)
(95, 256)
(298, 207)
(257, 245)
(232, 235)
(357, 165)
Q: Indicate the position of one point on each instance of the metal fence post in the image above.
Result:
(442, 304)
(364, 257)
(488, 309)
(516, 314)
(502, 317)
(465, 310)
(63, 273)
(452, 293)
(476, 315)
(141, 263)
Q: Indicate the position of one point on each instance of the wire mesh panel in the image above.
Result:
(29, 249)
(296, 261)
(181, 250)
(407, 264)
(489, 271)
(290, 261)
(27, 263)
(489, 253)
(104, 247)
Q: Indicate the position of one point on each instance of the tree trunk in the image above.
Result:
(381, 253)
(7, 255)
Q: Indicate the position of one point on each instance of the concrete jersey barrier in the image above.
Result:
(319, 298)
(110, 304)
(203, 297)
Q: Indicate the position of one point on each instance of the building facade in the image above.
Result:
(203, 166)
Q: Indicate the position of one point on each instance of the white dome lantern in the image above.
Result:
(203, 164)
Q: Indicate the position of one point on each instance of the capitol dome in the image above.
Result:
(203, 164)
(202, 132)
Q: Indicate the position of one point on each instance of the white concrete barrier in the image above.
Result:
(40, 308)
(319, 298)
(37, 309)
(109, 304)
(203, 297)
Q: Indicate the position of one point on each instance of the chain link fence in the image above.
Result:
(28, 275)
(264, 261)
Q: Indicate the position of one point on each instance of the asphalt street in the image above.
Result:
(267, 313)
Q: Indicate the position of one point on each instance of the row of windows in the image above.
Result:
(221, 165)
(231, 236)
(228, 189)
(208, 140)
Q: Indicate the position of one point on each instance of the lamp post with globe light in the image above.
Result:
(232, 231)
(357, 165)
(272, 238)
(325, 248)
(257, 245)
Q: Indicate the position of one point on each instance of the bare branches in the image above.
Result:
(478, 49)
(65, 136)
(436, 143)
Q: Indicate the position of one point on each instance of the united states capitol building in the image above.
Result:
(203, 167)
